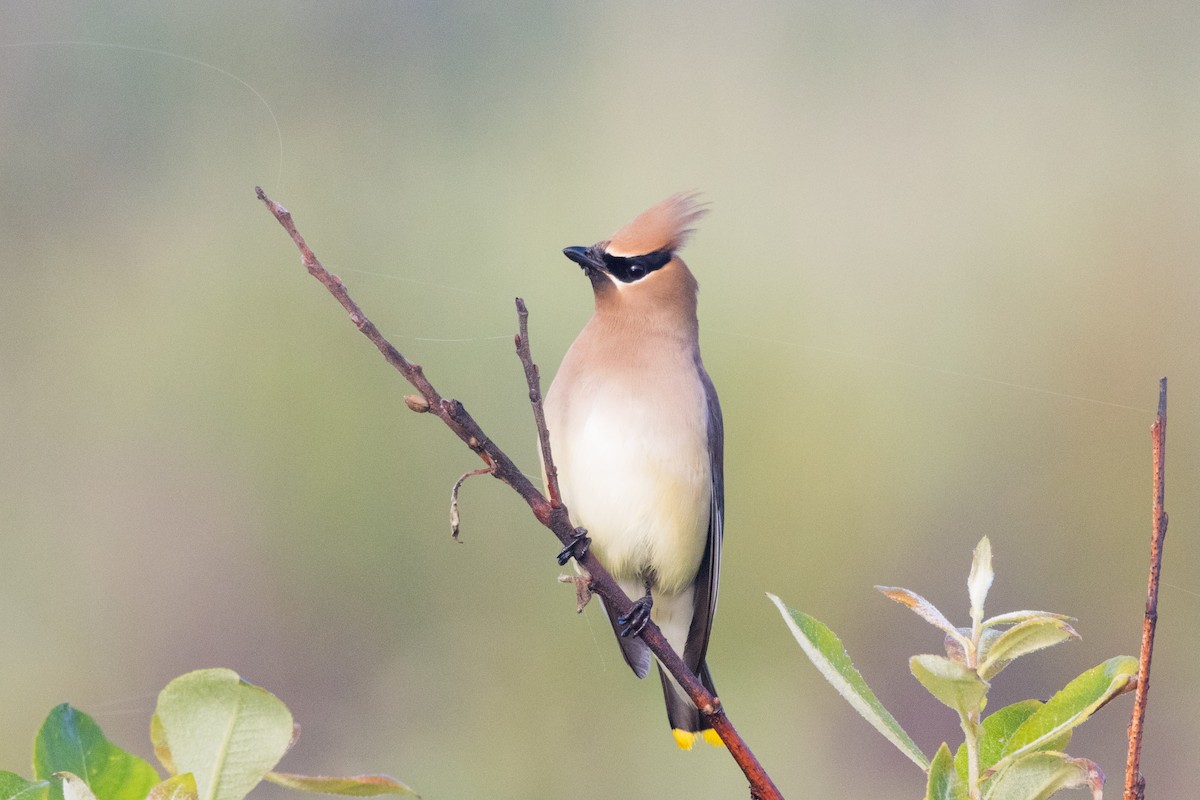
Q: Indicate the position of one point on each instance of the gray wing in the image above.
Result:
(710, 566)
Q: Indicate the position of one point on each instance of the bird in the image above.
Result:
(637, 438)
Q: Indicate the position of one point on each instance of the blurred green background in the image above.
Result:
(952, 248)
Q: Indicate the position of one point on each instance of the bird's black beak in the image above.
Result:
(585, 257)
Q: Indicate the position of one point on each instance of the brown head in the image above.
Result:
(637, 275)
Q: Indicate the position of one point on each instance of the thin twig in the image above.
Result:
(533, 377)
(454, 520)
(554, 517)
(1135, 783)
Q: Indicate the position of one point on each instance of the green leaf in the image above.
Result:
(180, 787)
(980, 579)
(1070, 706)
(1027, 637)
(1013, 617)
(829, 656)
(944, 781)
(354, 786)
(226, 732)
(1036, 776)
(14, 787)
(159, 740)
(925, 610)
(70, 741)
(951, 682)
(995, 731)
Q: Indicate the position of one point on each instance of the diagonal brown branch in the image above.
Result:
(1135, 784)
(551, 514)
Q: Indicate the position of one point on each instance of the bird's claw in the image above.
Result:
(577, 548)
(633, 623)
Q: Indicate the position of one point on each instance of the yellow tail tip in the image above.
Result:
(687, 739)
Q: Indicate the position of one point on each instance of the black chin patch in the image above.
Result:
(634, 268)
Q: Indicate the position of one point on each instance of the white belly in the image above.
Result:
(634, 471)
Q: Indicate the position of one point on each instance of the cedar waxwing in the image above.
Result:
(636, 433)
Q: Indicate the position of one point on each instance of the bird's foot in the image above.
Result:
(577, 548)
(633, 623)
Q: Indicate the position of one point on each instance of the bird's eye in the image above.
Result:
(628, 269)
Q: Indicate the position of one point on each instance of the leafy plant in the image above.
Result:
(1014, 753)
(217, 736)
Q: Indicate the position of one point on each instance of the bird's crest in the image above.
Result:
(665, 226)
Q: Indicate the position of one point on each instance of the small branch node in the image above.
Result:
(416, 403)
(583, 590)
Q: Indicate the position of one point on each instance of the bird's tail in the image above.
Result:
(687, 723)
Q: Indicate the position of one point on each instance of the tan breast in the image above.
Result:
(628, 423)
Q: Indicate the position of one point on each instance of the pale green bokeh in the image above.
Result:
(951, 251)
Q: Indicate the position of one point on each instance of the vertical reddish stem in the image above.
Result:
(1135, 784)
